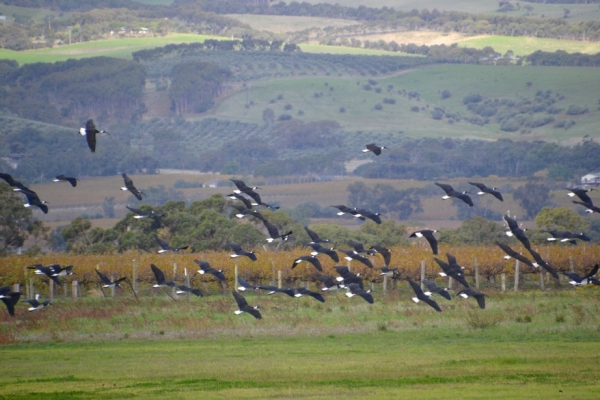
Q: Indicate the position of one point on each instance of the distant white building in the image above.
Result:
(591, 179)
(2, 17)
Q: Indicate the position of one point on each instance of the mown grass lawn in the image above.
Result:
(524, 345)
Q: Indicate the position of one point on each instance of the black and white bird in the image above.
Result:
(510, 253)
(566, 236)
(12, 182)
(353, 289)
(62, 178)
(540, 261)
(347, 210)
(468, 292)
(243, 285)
(90, 133)
(274, 289)
(314, 237)
(591, 208)
(352, 255)
(129, 186)
(362, 213)
(329, 284)
(432, 287)
(577, 280)
(239, 252)
(205, 268)
(181, 289)
(389, 272)
(309, 259)
(36, 305)
(143, 214)
(486, 190)
(109, 283)
(301, 291)
(428, 235)
(249, 191)
(274, 232)
(385, 253)
(238, 196)
(244, 307)
(318, 249)
(160, 278)
(420, 296)
(450, 192)
(360, 248)
(34, 200)
(10, 299)
(517, 232)
(52, 271)
(581, 193)
(374, 148)
(453, 272)
(164, 246)
(242, 211)
(346, 277)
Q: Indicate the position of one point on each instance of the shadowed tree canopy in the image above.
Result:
(16, 221)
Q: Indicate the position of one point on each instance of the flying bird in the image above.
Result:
(310, 259)
(160, 278)
(347, 210)
(360, 248)
(239, 252)
(143, 214)
(517, 232)
(352, 255)
(300, 291)
(314, 237)
(249, 191)
(243, 284)
(432, 287)
(129, 186)
(318, 249)
(34, 200)
(205, 268)
(329, 284)
(385, 253)
(591, 208)
(422, 296)
(362, 213)
(110, 283)
(62, 178)
(510, 253)
(486, 190)
(577, 280)
(164, 246)
(52, 271)
(275, 289)
(238, 196)
(540, 261)
(181, 289)
(12, 182)
(346, 277)
(354, 289)
(480, 297)
(10, 298)
(36, 305)
(566, 236)
(452, 272)
(428, 235)
(90, 132)
(389, 272)
(274, 232)
(244, 307)
(243, 211)
(450, 192)
(374, 148)
(582, 194)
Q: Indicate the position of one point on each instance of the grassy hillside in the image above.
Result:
(580, 86)
(522, 46)
(284, 23)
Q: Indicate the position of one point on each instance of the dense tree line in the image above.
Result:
(563, 1)
(563, 59)
(75, 5)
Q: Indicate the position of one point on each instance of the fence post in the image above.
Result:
(17, 287)
(503, 280)
(235, 284)
(74, 291)
(349, 263)
(422, 274)
(571, 267)
(187, 281)
(542, 279)
(32, 290)
(517, 269)
(385, 281)
(450, 281)
(174, 289)
(51, 292)
(134, 277)
(279, 280)
(476, 274)
(113, 288)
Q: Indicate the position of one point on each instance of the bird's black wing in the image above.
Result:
(164, 245)
(332, 254)
(543, 263)
(481, 186)
(217, 274)
(592, 272)
(466, 198)
(512, 224)
(8, 178)
(416, 288)
(480, 297)
(273, 231)
(496, 194)
(240, 184)
(582, 194)
(367, 296)
(313, 235)
(255, 196)
(446, 188)
(432, 303)
(363, 260)
(135, 210)
(372, 216)
(235, 247)
(428, 235)
(254, 312)
(241, 301)
(244, 284)
(158, 274)
(10, 302)
(204, 266)
(103, 278)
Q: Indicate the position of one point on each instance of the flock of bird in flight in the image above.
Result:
(352, 283)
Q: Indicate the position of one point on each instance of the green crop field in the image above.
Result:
(522, 46)
(523, 345)
(284, 23)
(322, 98)
(121, 48)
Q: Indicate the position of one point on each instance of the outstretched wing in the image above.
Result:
(158, 274)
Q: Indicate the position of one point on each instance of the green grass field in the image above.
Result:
(580, 86)
(524, 345)
(284, 23)
(522, 46)
(120, 48)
